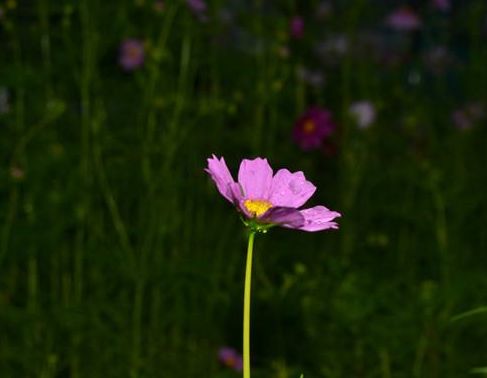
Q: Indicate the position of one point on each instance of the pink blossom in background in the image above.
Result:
(131, 55)
(313, 127)
(266, 199)
(403, 19)
(296, 27)
(363, 112)
(464, 118)
(442, 5)
(197, 6)
(230, 358)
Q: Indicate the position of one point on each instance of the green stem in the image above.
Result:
(246, 315)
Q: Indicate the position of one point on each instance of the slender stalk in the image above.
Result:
(246, 315)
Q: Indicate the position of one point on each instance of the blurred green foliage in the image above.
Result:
(119, 258)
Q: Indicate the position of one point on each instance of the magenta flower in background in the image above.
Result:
(230, 358)
(267, 200)
(403, 19)
(296, 27)
(363, 112)
(131, 54)
(313, 127)
(442, 5)
(199, 8)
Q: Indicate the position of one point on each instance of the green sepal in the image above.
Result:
(255, 226)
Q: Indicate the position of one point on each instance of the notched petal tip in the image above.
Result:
(221, 176)
(319, 218)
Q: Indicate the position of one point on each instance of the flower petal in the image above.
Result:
(255, 178)
(284, 216)
(290, 189)
(318, 218)
(222, 177)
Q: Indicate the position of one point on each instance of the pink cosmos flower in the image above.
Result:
(267, 200)
(296, 27)
(131, 54)
(230, 358)
(403, 19)
(313, 127)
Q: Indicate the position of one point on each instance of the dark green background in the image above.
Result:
(118, 257)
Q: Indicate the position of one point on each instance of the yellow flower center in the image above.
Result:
(309, 127)
(257, 207)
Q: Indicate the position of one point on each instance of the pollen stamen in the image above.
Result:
(309, 127)
(257, 207)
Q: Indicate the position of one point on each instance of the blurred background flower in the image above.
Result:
(296, 27)
(332, 49)
(17, 173)
(314, 78)
(442, 5)
(438, 59)
(403, 19)
(363, 112)
(131, 54)
(159, 6)
(312, 127)
(324, 10)
(467, 116)
(230, 358)
(199, 9)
